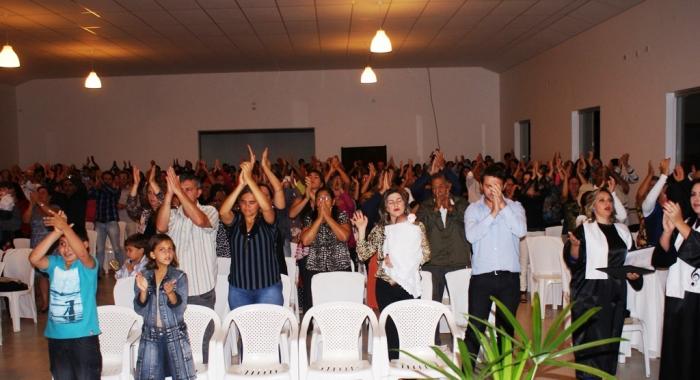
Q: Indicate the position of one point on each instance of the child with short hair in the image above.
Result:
(72, 327)
(136, 260)
(161, 299)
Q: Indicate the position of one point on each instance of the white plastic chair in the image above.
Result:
(197, 319)
(223, 266)
(22, 303)
(89, 226)
(636, 325)
(121, 329)
(545, 254)
(260, 327)
(21, 243)
(458, 289)
(554, 231)
(92, 242)
(123, 292)
(426, 284)
(293, 272)
(337, 286)
(2, 267)
(416, 321)
(339, 324)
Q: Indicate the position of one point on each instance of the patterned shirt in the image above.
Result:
(106, 199)
(326, 252)
(374, 243)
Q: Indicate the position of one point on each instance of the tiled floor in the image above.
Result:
(24, 355)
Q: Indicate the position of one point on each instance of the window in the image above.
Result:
(522, 140)
(688, 127)
(230, 146)
(585, 132)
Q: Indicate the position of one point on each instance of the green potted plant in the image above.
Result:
(519, 356)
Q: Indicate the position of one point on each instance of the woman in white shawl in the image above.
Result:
(401, 247)
(599, 243)
(679, 250)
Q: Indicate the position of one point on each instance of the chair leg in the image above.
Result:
(14, 312)
(645, 350)
(543, 297)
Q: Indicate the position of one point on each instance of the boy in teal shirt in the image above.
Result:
(72, 328)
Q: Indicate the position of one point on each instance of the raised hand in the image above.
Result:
(173, 182)
(359, 220)
(169, 286)
(664, 166)
(57, 220)
(611, 183)
(265, 158)
(141, 282)
(136, 174)
(667, 223)
(650, 169)
(674, 212)
(251, 155)
(679, 173)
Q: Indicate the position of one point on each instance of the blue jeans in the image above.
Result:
(111, 230)
(238, 297)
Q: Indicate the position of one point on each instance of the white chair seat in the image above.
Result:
(546, 272)
(258, 371)
(340, 366)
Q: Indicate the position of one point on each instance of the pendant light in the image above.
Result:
(92, 80)
(380, 42)
(8, 57)
(368, 76)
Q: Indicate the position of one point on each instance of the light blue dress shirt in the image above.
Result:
(495, 241)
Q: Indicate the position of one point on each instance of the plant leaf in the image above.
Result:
(580, 367)
(536, 324)
(574, 326)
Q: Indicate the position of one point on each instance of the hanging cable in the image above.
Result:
(432, 106)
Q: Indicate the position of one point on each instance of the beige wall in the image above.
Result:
(158, 116)
(8, 126)
(659, 39)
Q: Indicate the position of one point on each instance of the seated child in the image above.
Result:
(161, 299)
(136, 260)
(72, 327)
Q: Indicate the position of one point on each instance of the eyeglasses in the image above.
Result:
(324, 198)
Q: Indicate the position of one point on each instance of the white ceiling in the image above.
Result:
(63, 38)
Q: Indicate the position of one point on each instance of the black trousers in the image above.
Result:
(438, 275)
(386, 295)
(75, 359)
(505, 286)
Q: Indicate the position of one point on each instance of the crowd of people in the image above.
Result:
(394, 218)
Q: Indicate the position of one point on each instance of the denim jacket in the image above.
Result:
(173, 330)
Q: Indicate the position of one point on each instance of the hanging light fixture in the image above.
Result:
(92, 80)
(380, 42)
(368, 76)
(8, 57)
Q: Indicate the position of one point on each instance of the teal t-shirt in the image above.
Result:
(73, 300)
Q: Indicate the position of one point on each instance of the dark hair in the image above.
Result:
(187, 176)
(153, 243)
(384, 217)
(334, 210)
(139, 241)
(494, 170)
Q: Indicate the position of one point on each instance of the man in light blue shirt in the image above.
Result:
(494, 226)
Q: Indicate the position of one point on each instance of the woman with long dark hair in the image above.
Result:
(400, 246)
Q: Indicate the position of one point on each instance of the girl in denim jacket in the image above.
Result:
(161, 299)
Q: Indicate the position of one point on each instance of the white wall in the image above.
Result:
(157, 117)
(660, 41)
(8, 126)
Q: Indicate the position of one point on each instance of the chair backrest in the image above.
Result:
(426, 284)
(286, 291)
(545, 254)
(291, 269)
(92, 241)
(458, 288)
(21, 243)
(223, 266)
(197, 319)
(115, 323)
(17, 265)
(89, 226)
(416, 321)
(2, 265)
(122, 232)
(337, 286)
(124, 292)
(340, 324)
(553, 231)
(221, 290)
(260, 326)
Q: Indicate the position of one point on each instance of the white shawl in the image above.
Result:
(597, 248)
(682, 277)
(402, 242)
